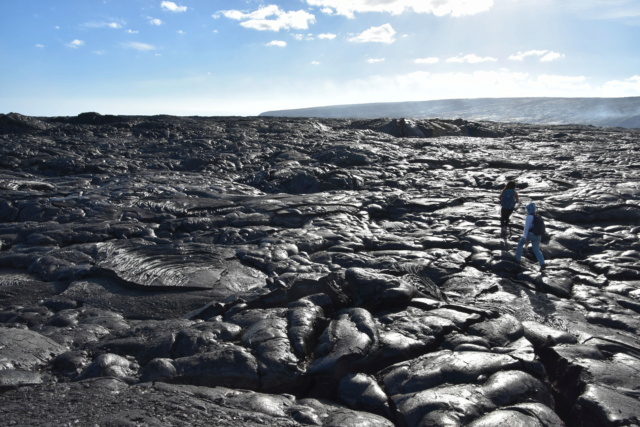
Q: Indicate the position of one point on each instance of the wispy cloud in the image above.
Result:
(327, 36)
(422, 85)
(144, 47)
(382, 34)
(520, 56)
(74, 44)
(430, 60)
(96, 25)
(471, 58)
(271, 18)
(551, 56)
(625, 11)
(315, 62)
(436, 7)
(278, 43)
(556, 81)
(300, 37)
(155, 21)
(172, 7)
(375, 60)
(627, 87)
(543, 55)
(40, 46)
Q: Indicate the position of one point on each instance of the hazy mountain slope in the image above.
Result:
(624, 112)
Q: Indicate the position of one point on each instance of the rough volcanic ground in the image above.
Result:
(166, 271)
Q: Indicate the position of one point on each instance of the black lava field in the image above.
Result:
(232, 271)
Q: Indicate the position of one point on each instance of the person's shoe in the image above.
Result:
(543, 267)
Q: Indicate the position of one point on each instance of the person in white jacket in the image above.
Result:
(529, 236)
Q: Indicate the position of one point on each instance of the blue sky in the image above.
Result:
(243, 57)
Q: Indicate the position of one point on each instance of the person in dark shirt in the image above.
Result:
(508, 200)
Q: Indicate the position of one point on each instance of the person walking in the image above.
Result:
(508, 199)
(533, 230)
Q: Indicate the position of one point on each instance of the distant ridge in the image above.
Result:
(616, 112)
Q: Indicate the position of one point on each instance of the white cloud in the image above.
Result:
(382, 34)
(427, 60)
(172, 7)
(454, 8)
(231, 14)
(415, 86)
(315, 62)
(627, 87)
(40, 46)
(471, 58)
(111, 25)
(375, 60)
(543, 55)
(422, 85)
(301, 37)
(75, 43)
(278, 43)
(520, 56)
(625, 11)
(280, 20)
(244, 97)
(132, 31)
(551, 56)
(327, 36)
(155, 21)
(144, 47)
(555, 81)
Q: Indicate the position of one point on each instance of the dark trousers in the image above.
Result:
(505, 214)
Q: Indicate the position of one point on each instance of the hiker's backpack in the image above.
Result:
(537, 227)
(508, 200)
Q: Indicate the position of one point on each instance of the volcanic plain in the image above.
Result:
(251, 271)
